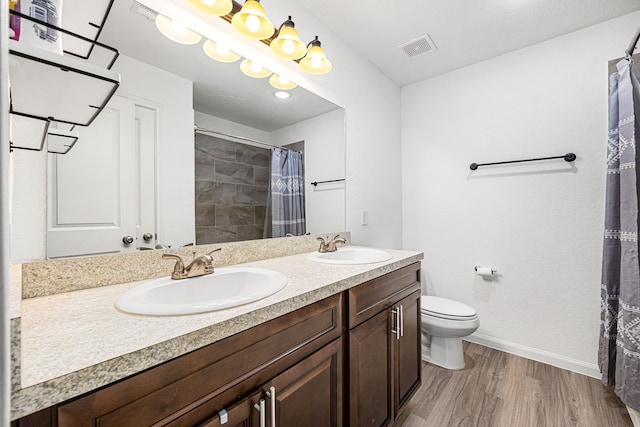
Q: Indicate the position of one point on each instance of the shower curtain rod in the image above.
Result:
(633, 44)
(203, 130)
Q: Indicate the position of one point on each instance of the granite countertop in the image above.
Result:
(75, 342)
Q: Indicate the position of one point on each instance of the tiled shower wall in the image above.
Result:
(231, 191)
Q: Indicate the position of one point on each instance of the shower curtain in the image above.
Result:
(287, 193)
(619, 352)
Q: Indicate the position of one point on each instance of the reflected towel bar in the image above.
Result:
(569, 157)
(315, 183)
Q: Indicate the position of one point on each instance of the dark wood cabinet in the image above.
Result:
(193, 388)
(310, 393)
(370, 373)
(294, 365)
(240, 414)
(384, 347)
(407, 357)
(307, 394)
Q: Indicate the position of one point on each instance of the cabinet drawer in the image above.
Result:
(225, 370)
(370, 298)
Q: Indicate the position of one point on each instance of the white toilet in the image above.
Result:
(446, 322)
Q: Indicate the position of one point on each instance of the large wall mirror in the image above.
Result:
(178, 186)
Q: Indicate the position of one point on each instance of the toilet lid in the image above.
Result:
(445, 307)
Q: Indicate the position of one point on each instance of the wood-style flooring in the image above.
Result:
(498, 389)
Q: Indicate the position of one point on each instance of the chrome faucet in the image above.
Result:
(199, 266)
(331, 245)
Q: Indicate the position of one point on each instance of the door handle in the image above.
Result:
(261, 409)
(127, 240)
(147, 237)
(271, 394)
(401, 312)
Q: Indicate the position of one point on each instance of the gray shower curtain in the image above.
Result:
(619, 353)
(287, 193)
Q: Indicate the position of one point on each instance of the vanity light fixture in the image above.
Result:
(254, 69)
(252, 21)
(214, 7)
(219, 52)
(176, 31)
(281, 82)
(315, 61)
(288, 44)
(282, 95)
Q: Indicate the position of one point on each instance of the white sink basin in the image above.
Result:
(351, 255)
(226, 287)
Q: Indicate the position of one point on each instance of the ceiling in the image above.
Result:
(463, 31)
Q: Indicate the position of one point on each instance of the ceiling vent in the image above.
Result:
(419, 46)
(143, 10)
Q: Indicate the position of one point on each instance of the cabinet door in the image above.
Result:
(406, 352)
(242, 414)
(309, 394)
(370, 372)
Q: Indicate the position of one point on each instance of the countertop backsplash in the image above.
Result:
(50, 277)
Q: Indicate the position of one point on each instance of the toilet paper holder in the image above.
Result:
(484, 270)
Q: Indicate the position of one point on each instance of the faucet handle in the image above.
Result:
(170, 254)
(178, 270)
(209, 260)
(331, 246)
(323, 245)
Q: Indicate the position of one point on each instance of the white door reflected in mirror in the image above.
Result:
(102, 193)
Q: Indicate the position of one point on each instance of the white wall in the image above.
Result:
(324, 160)
(372, 104)
(539, 224)
(217, 124)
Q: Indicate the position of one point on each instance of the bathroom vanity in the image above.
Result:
(345, 351)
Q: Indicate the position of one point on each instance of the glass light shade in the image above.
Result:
(281, 83)
(219, 53)
(253, 69)
(252, 21)
(316, 61)
(176, 31)
(288, 43)
(214, 7)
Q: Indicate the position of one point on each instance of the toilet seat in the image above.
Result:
(446, 308)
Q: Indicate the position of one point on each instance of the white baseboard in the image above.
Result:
(563, 362)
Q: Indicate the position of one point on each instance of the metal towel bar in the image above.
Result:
(569, 157)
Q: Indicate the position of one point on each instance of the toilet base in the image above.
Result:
(445, 352)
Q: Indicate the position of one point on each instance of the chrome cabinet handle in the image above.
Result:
(224, 416)
(147, 237)
(401, 312)
(396, 314)
(271, 394)
(261, 409)
(127, 240)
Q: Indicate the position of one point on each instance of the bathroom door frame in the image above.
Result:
(5, 349)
